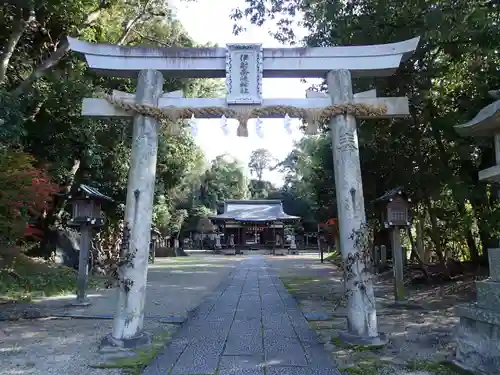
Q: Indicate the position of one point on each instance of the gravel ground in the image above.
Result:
(63, 346)
(423, 333)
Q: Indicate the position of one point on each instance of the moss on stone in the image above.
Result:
(438, 368)
(142, 358)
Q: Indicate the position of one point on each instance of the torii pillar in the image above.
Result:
(128, 322)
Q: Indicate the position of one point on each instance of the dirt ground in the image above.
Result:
(46, 345)
(420, 333)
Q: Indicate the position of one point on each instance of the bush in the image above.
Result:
(23, 278)
(25, 191)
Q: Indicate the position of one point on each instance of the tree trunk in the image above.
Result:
(52, 221)
(436, 239)
(42, 69)
(18, 28)
(62, 49)
(416, 255)
(473, 250)
(419, 243)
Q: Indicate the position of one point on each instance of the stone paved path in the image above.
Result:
(251, 325)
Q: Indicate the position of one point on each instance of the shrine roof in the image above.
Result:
(254, 211)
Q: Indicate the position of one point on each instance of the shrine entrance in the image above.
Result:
(244, 66)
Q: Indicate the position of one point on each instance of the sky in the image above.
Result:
(208, 21)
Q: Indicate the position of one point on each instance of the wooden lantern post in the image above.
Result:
(155, 234)
(394, 207)
(86, 204)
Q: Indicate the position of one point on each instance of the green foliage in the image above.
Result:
(197, 219)
(11, 118)
(22, 278)
(161, 215)
(224, 180)
(42, 88)
(446, 81)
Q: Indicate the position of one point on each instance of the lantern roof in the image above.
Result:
(485, 123)
(391, 194)
(88, 192)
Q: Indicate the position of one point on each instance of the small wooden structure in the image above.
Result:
(86, 203)
(393, 207)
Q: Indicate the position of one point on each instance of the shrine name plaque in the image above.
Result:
(244, 73)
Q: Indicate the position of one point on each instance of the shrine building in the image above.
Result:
(254, 223)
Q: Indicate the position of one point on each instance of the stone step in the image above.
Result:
(488, 294)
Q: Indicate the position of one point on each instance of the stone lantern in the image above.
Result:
(478, 346)
(86, 204)
(394, 214)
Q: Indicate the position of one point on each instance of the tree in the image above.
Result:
(446, 80)
(260, 189)
(224, 180)
(41, 90)
(260, 161)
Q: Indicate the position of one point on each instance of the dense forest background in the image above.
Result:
(46, 146)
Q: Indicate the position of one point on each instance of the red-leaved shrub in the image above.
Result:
(25, 192)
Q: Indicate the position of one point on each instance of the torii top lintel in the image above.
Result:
(305, 62)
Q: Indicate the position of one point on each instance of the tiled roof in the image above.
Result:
(254, 210)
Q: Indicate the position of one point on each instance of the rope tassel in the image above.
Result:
(258, 128)
(194, 126)
(288, 124)
(223, 125)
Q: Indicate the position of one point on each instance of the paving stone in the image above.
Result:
(247, 344)
(246, 326)
(306, 335)
(241, 365)
(248, 315)
(284, 351)
(200, 357)
(317, 356)
(212, 330)
(296, 315)
(202, 311)
(164, 362)
(289, 370)
(275, 319)
(249, 301)
(253, 307)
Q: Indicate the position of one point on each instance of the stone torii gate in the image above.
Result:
(244, 66)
